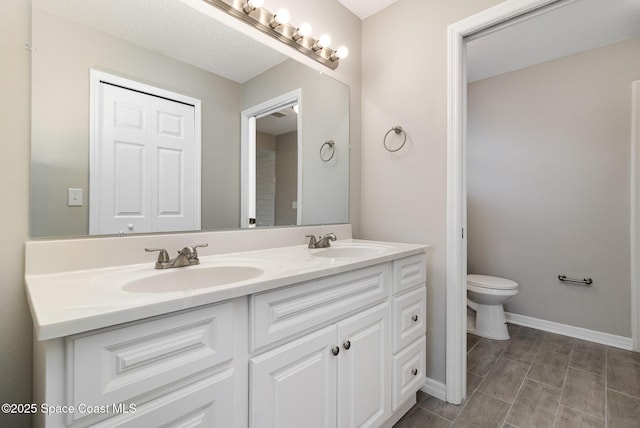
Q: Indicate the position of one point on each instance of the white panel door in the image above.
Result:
(147, 161)
(294, 385)
(364, 394)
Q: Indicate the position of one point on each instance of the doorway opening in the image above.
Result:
(271, 156)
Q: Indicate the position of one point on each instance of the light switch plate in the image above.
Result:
(74, 197)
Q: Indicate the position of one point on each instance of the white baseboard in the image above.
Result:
(571, 331)
(435, 389)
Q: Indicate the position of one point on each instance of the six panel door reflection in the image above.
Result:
(147, 163)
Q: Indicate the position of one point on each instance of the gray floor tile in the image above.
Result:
(523, 349)
(482, 411)
(585, 392)
(549, 367)
(471, 341)
(513, 329)
(529, 332)
(558, 343)
(569, 418)
(623, 355)
(624, 411)
(624, 377)
(417, 417)
(504, 380)
(535, 406)
(581, 371)
(484, 355)
(441, 408)
(588, 356)
(473, 381)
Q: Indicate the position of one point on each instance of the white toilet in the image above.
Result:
(486, 295)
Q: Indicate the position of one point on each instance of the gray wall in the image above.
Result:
(326, 101)
(15, 321)
(65, 52)
(404, 82)
(286, 178)
(548, 185)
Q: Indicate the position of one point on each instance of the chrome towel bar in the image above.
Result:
(585, 281)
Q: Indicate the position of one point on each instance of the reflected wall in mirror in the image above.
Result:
(169, 45)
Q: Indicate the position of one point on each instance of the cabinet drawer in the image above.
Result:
(409, 318)
(116, 365)
(278, 314)
(409, 272)
(206, 403)
(408, 373)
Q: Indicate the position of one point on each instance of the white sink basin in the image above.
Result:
(191, 278)
(350, 251)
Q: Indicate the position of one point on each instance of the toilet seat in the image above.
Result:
(491, 282)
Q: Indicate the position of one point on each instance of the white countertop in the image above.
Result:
(66, 303)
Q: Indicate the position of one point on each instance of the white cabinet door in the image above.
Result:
(364, 394)
(295, 385)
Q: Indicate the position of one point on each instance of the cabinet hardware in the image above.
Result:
(347, 345)
(415, 372)
(415, 318)
(335, 350)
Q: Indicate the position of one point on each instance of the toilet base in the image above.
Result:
(489, 322)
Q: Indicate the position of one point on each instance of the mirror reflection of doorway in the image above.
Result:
(271, 156)
(277, 167)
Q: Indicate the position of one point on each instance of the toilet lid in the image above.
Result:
(494, 282)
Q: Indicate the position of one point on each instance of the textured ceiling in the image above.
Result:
(175, 29)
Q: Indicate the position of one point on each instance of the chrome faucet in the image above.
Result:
(188, 256)
(321, 242)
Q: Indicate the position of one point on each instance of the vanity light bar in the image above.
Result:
(277, 26)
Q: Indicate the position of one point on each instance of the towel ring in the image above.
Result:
(332, 146)
(398, 130)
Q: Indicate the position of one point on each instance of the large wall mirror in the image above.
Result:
(110, 75)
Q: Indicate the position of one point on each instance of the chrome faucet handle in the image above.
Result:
(312, 241)
(324, 242)
(195, 252)
(163, 256)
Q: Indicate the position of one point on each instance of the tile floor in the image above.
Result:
(539, 379)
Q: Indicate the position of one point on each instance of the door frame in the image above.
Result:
(248, 152)
(96, 77)
(456, 265)
(635, 215)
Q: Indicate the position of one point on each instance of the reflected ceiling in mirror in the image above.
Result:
(173, 46)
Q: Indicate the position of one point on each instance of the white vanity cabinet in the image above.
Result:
(183, 369)
(336, 375)
(357, 351)
(337, 346)
(409, 308)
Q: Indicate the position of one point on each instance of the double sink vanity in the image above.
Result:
(287, 336)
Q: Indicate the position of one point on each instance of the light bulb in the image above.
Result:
(252, 5)
(303, 31)
(323, 42)
(280, 18)
(340, 53)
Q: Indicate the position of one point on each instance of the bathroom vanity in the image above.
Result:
(279, 337)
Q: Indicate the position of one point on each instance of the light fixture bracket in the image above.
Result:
(283, 33)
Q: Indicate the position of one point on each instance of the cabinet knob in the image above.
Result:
(347, 345)
(415, 372)
(415, 318)
(335, 350)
